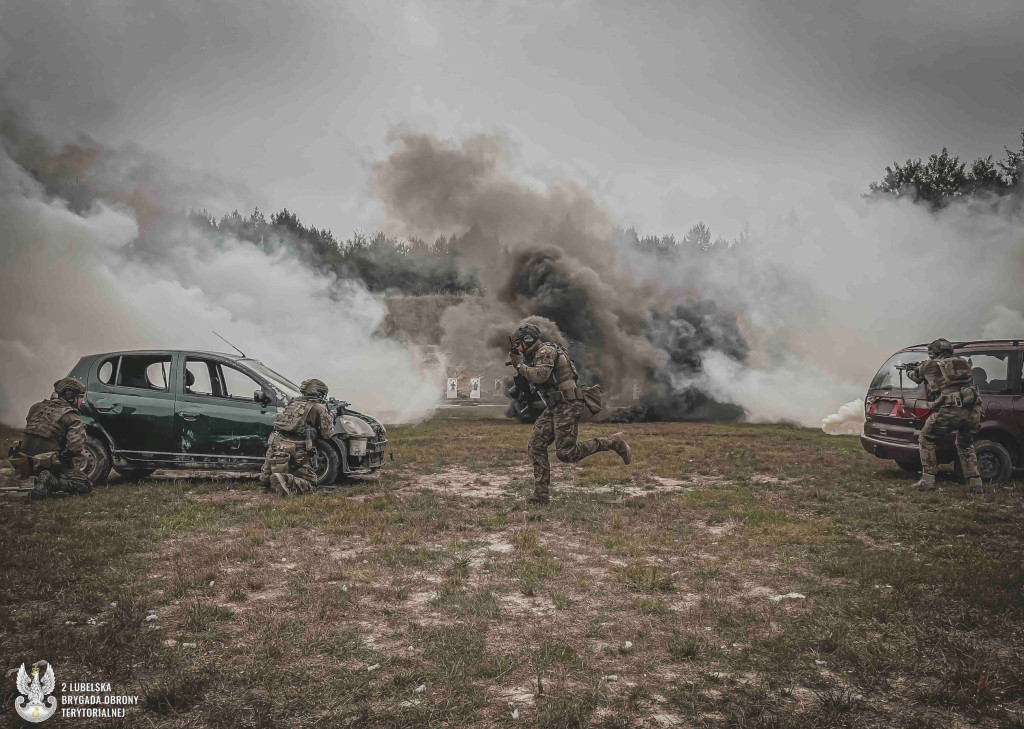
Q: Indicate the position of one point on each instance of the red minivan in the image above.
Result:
(895, 411)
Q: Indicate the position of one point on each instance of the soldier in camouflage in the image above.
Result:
(286, 469)
(549, 369)
(53, 455)
(956, 408)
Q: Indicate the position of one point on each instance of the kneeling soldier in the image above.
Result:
(54, 449)
(548, 367)
(957, 408)
(287, 468)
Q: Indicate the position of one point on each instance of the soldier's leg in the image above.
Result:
(567, 428)
(267, 469)
(301, 476)
(541, 438)
(929, 458)
(969, 427)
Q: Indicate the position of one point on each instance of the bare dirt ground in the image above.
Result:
(732, 576)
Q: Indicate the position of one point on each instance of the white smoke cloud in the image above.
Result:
(827, 294)
(848, 420)
(74, 284)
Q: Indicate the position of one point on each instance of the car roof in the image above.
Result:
(976, 344)
(197, 352)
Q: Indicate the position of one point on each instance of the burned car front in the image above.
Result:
(364, 438)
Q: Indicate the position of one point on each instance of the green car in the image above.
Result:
(174, 409)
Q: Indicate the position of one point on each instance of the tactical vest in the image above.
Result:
(44, 419)
(562, 383)
(951, 376)
(292, 420)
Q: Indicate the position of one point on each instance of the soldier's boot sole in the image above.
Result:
(617, 442)
(279, 484)
(926, 482)
(46, 484)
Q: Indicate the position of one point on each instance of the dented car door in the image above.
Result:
(216, 417)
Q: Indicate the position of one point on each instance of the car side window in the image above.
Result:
(108, 371)
(144, 371)
(990, 372)
(238, 384)
(197, 377)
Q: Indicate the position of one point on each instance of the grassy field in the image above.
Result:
(732, 576)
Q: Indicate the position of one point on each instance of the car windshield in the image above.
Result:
(889, 376)
(282, 384)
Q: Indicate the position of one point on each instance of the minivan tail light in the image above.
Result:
(912, 410)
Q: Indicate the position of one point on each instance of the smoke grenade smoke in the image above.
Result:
(94, 263)
(784, 324)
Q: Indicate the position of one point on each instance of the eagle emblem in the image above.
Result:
(33, 709)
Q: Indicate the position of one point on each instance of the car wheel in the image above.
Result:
(994, 462)
(325, 462)
(97, 460)
(134, 474)
(912, 467)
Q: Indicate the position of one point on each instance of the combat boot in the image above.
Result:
(279, 484)
(46, 484)
(539, 500)
(926, 483)
(974, 482)
(617, 442)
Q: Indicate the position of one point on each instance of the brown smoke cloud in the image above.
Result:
(538, 253)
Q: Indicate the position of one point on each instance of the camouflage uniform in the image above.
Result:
(548, 367)
(53, 453)
(957, 409)
(286, 468)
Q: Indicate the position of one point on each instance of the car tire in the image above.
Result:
(325, 462)
(98, 460)
(134, 474)
(994, 462)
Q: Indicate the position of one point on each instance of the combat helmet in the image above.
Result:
(528, 334)
(940, 348)
(313, 388)
(68, 389)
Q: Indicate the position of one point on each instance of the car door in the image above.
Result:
(993, 372)
(133, 401)
(217, 415)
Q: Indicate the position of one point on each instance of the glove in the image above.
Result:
(515, 359)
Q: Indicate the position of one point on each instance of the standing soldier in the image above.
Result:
(287, 469)
(956, 407)
(549, 369)
(54, 450)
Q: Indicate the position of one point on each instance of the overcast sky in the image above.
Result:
(670, 112)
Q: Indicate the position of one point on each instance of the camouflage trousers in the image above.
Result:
(561, 427)
(965, 422)
(48, 474)
(300, 476)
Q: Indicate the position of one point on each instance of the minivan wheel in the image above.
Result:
(994, 462)
(911, 467)
(325, 462)
(97, 460)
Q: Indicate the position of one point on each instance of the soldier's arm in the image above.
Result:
(915, 375)
(543, 363)
(74, 441)
(325, 423)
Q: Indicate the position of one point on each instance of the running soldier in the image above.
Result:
(287, 469)
(549, 369)
(956, 406)
(54, 450)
